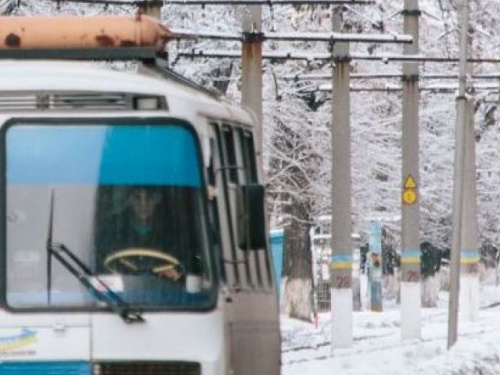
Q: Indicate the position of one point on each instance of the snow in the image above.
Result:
(378, 348)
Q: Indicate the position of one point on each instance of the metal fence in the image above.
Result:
(322, 296)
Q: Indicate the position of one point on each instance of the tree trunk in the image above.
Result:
(487, 275)
(297, 301)
(430, 290)
(390, 286)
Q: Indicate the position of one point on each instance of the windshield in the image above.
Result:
(125, 200)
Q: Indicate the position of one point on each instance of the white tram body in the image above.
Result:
(53, 323)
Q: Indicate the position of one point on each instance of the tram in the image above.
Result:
(134, 235)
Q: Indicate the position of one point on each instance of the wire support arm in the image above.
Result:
(308, 56)
(330, 37)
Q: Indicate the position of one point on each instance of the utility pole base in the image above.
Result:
(341, 300)
(469, 297)
(410, 311)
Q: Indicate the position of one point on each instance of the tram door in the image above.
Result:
(251, 326)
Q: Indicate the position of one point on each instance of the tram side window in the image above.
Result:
(213, 213)
(231, 155)
(229, 265)
(248, 150)
(250, 171)
(233, 166)
(211, 167)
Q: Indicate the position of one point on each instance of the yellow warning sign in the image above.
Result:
(409, 192)
(410, 182)
(409, 196)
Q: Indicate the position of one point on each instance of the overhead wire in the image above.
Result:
(138, 3)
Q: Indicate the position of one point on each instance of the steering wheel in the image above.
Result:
(162, 264)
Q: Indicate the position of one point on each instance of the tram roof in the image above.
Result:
(71, 76)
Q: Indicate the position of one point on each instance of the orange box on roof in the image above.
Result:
(82, 32)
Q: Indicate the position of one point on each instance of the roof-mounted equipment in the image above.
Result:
(104, 37)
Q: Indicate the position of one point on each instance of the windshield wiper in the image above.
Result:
(83, 274)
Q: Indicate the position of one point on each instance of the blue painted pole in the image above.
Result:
(277, 240)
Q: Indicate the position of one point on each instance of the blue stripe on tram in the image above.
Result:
(45, 368)
(105, 155)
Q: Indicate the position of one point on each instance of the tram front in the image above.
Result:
(109, 267)
(117, 257)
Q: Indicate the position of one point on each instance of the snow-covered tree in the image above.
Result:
(297, 117)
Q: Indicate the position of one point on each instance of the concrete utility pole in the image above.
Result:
(410, 210)
(251, 71)
(469, 259)
(469, 255)
(341, 255)
(458, 181)
(152, 8)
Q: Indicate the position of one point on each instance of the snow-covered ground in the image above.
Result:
(378, 348)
